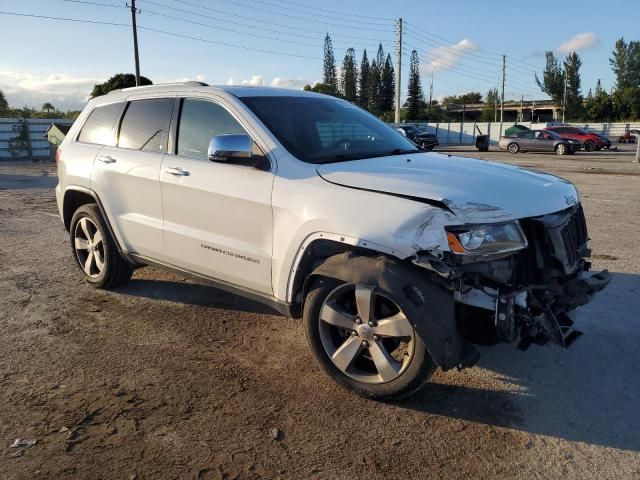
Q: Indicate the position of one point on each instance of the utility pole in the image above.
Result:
(134, 11)
(564, 96)
(504, 69)
(522, 109)
(430, 97)
(399, 70)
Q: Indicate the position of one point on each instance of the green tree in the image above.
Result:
(349, 76)
(375, 99)
(598, 105)
(573, 100)
(415, 98)
(330, 75)
(118, 81)
(48, 107)
(322, 88)
(363, 87)
(4, 105)
(388, 85)
(625, 63)
(552, 79)
(492, 99)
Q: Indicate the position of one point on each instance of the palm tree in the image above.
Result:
(47, 107)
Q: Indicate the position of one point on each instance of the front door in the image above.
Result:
(217, 217)
(126, 177)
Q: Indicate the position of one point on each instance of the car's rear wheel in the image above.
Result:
(561, 149)
(364, 341)
(95, 250)
(589, 146)
(513, 148)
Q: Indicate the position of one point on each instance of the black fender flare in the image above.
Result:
(429, 306)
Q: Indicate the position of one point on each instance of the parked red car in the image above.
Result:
(590, 141)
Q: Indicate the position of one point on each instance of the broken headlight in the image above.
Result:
(486, 239)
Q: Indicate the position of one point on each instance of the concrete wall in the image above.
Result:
(450, 133)
(36, 127)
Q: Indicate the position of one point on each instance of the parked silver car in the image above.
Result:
(539, 141)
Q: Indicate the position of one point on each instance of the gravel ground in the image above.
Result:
(165, 378)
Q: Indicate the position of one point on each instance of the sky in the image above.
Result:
(280, 42)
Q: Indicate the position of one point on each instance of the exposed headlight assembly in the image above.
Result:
(489, 239)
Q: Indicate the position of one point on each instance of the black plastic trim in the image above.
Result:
(281, 307)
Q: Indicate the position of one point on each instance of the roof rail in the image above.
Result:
(192, 83)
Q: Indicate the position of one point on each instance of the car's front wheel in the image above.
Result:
(364, 341)
(95, 250)
(561, 149)
(589, 146)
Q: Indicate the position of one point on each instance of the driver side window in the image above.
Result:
(200, 120)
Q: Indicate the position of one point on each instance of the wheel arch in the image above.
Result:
(314, 252)
(75, 197)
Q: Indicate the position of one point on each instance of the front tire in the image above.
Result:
(364, 341)
(562, 149)
(589, 146)
(95, 250)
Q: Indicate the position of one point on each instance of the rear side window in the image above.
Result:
(199, 121)
(145, 125)
(98, 128)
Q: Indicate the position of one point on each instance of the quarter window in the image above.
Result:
(200, 120)
(98, 128)
(145, 125)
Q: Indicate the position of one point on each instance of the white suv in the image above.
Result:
(397, 260)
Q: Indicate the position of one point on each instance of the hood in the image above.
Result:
(475, 190)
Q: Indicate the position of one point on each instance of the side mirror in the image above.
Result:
(231, 149)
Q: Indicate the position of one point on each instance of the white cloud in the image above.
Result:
(448, 57)
(255, 80)
(64, 91)
(579, 42)
(295, 83)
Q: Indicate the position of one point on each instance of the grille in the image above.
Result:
(574, 235)
(555, 240)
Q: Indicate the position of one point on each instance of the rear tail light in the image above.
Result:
(58, 154)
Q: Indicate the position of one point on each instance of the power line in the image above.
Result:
(282, 14)
(385, 22)
(157, 30)
(335, 11)
(241, 32)
(257, 20)
(94, 3)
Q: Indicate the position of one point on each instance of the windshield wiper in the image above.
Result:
(345, 157)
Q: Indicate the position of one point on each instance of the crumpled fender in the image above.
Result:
(430, 308)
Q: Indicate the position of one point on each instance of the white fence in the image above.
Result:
(36, 145)
(450, 133)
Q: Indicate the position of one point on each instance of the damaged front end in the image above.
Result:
(526, 289)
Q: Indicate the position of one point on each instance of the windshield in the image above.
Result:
(325, 130)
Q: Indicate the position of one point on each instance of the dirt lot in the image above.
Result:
(168, 379)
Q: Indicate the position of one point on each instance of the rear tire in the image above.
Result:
(513, 148)
(95, 250)
(408, 366)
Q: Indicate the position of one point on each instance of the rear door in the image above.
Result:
(217, 217)
(126, 176)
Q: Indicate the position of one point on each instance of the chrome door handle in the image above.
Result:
(177, 171)
(106, 159)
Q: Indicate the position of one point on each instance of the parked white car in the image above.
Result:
(397, 260)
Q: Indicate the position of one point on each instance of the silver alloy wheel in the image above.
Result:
(561, 149)
(513, 148)
(365, 334)
(89, 247)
